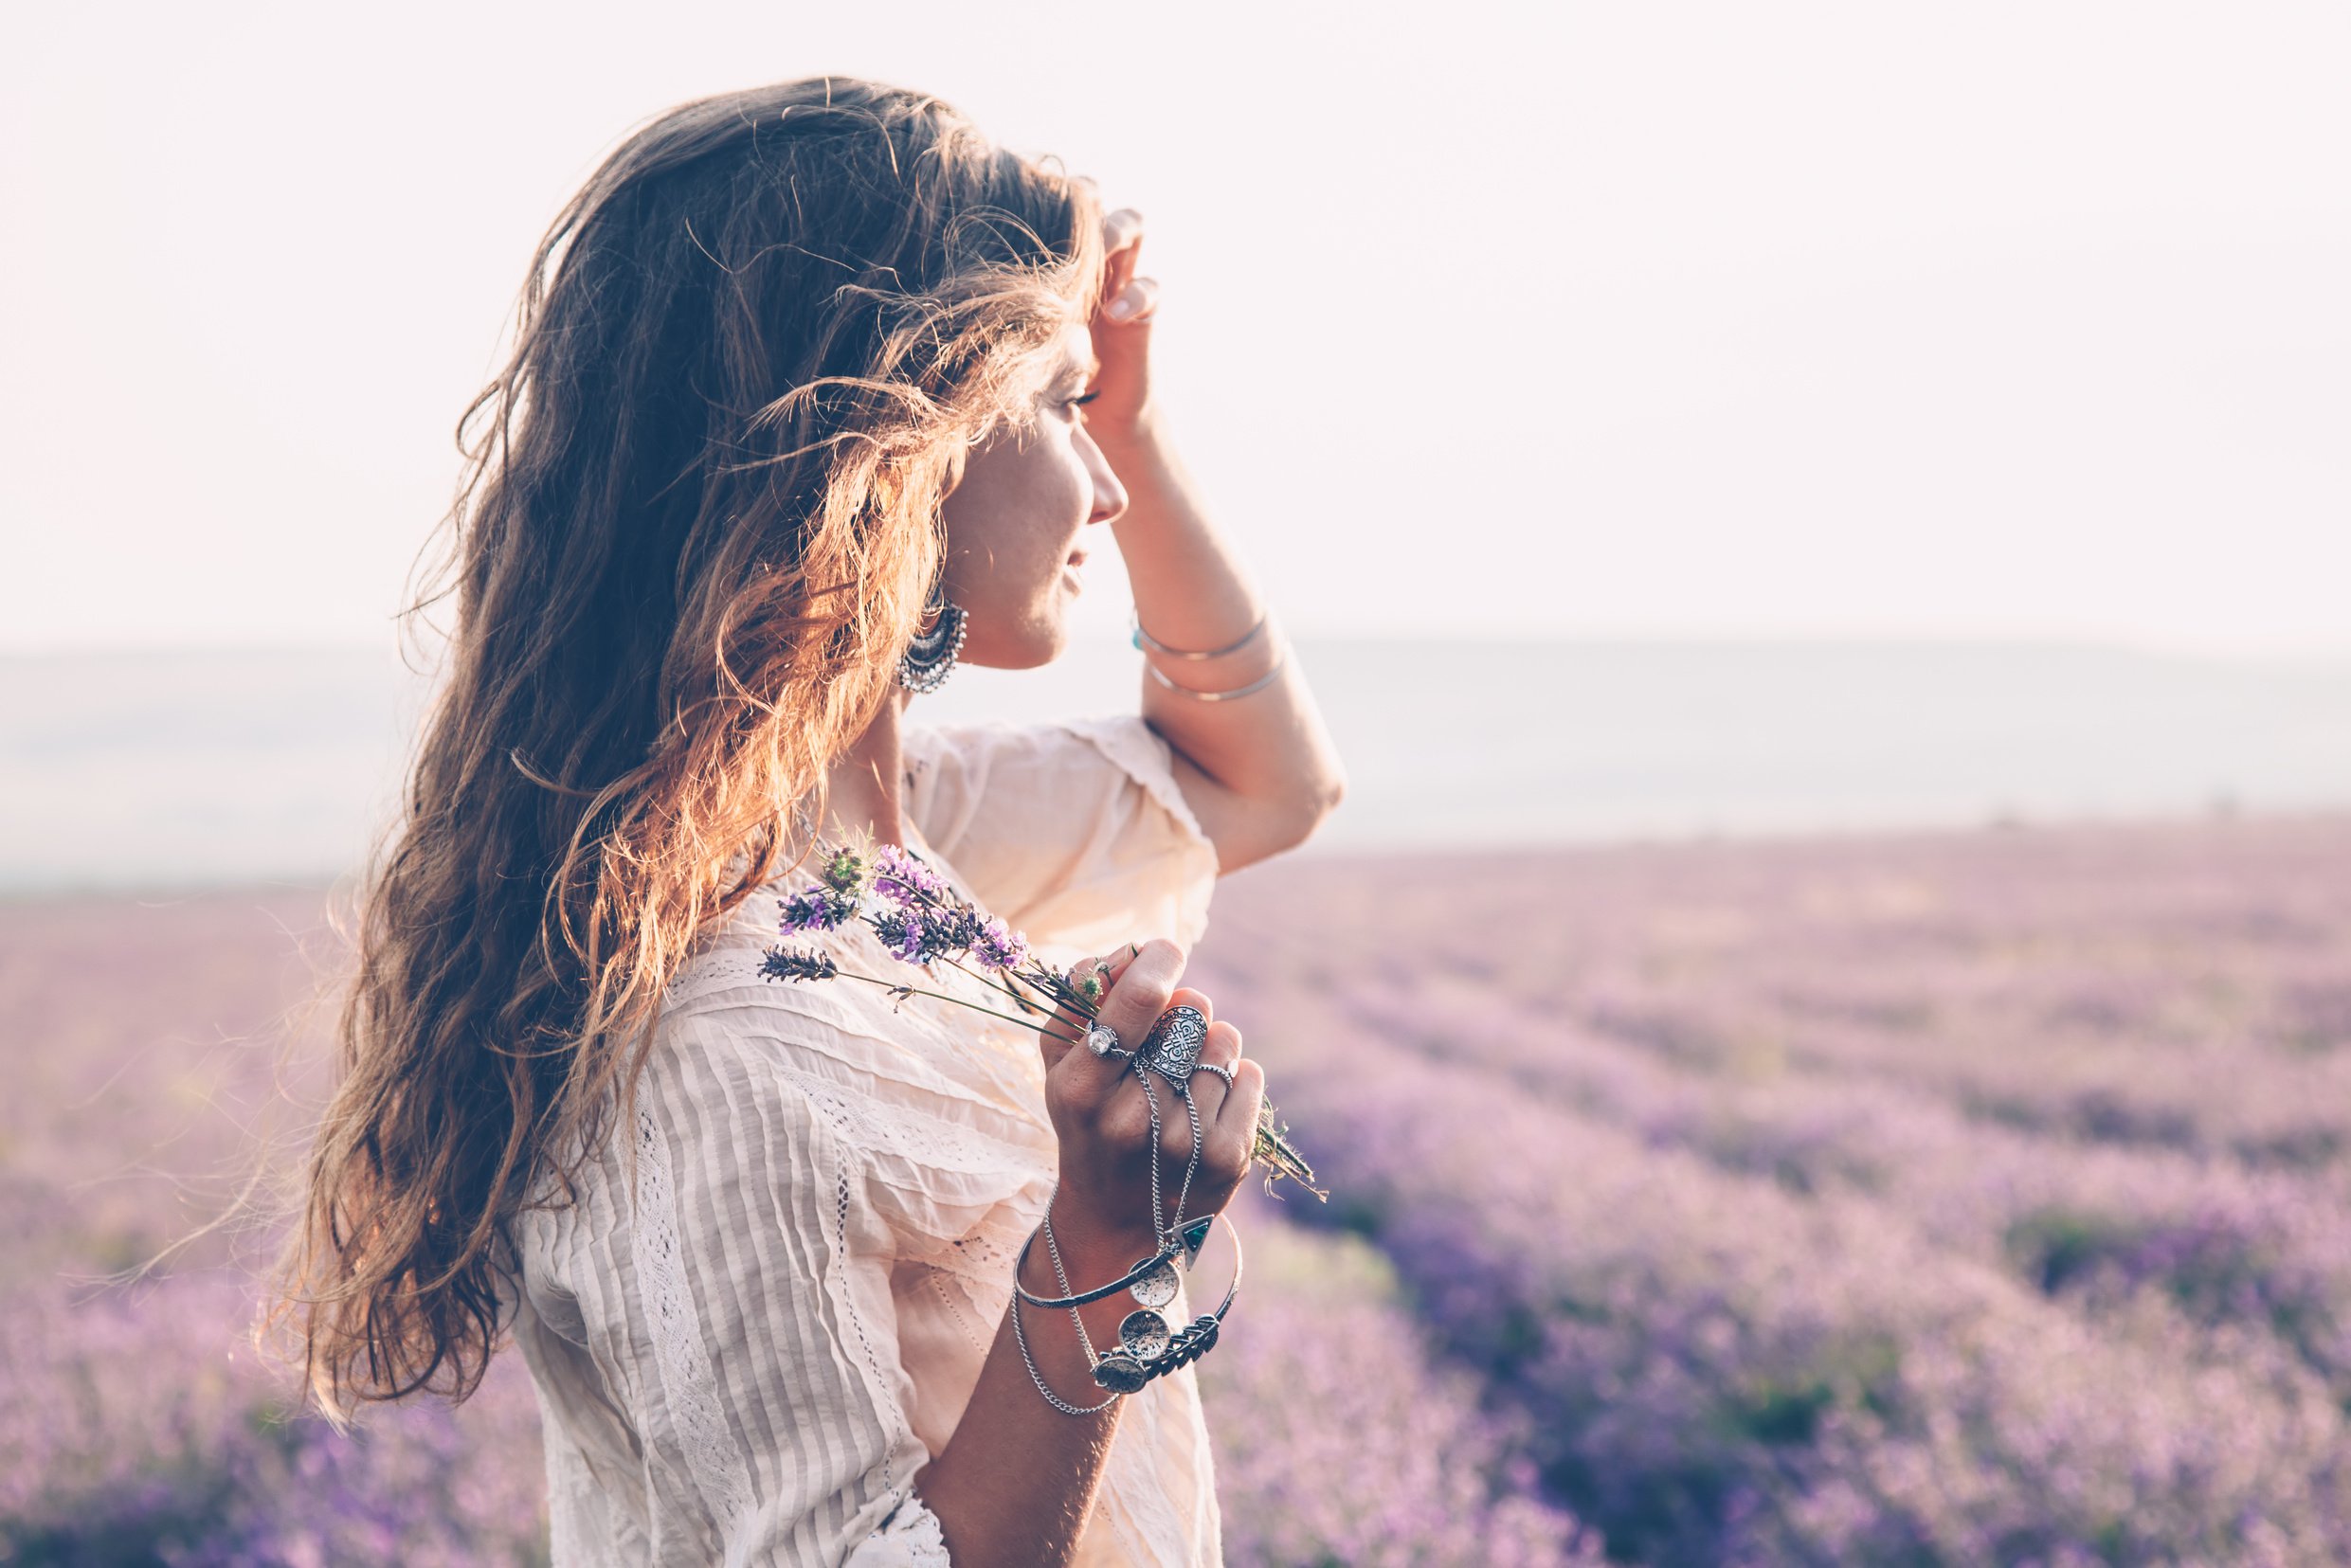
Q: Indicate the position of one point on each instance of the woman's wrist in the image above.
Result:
(1130, 441)
(1097, 1246)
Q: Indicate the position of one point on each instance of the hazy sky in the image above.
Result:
(1965, 320)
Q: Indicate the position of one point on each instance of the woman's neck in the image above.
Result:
(866, 784)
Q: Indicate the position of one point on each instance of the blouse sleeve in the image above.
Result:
(735, 1300)
(1076, 832)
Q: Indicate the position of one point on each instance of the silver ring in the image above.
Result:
(1224, 1073)
(1174, 1044)
(1103, 1041)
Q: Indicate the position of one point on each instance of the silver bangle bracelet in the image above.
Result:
(1257, 685)
(1147, 642)
(1126, 1281)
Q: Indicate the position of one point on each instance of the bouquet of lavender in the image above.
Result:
(922, 921)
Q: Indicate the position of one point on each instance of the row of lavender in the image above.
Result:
(1961, 1200)
(138, 1430)
(138, 1425)
(1965, 1200)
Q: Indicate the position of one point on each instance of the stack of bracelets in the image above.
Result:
(1148, 1345)
(1150, 644)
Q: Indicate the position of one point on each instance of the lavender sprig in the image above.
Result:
(920, 920)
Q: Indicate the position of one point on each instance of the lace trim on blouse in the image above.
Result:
(711, 1456)
(910, 1538)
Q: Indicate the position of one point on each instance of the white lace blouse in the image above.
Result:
(746, 1359)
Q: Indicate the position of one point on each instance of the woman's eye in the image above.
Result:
(1081, 400)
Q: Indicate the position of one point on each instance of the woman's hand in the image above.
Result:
(1105, 1125)
(1017, 1478)
(1122, 335)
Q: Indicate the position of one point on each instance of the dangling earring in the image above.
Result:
(931, 658)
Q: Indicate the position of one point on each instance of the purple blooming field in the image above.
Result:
(1963, 1198)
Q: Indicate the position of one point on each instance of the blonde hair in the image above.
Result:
(699, 524)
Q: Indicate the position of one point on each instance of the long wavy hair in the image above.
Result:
(699, 524)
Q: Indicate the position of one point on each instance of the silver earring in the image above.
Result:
(931, 658)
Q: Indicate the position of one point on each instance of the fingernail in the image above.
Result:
(1120, 309)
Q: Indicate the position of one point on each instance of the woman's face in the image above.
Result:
(1016, 521)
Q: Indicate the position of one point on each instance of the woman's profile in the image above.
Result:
(814, 390)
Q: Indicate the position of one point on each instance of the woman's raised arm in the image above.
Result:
(1257, 766)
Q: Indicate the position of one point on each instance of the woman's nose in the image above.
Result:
(1110, 497)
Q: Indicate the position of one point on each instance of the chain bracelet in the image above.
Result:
(1150, 1098)
(1020, 1335)
(1191, 1166)
(1053, 1251)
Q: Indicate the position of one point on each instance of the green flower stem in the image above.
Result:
(918, 991)
(1272, 1149)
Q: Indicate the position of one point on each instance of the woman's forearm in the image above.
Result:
(1014, 1485)
(1267, 769)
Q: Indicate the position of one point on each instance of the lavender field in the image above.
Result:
(1980, 1198)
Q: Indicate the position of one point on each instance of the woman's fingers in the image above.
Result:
(1093, 977)
(1144, 988)
(1141, 986)
(1133, 302)
(1122, 239)
(1206, 1090)
(1231, 1143)
(1223, 1044)
(1121, 327)
(1129, 1117)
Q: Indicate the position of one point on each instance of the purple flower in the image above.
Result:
(843, 870)
(817, 909)
(797, 963)
(919, 933)
(905, 933)
(900, 875)
(999, 945)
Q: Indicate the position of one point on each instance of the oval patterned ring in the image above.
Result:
(1172, 1048)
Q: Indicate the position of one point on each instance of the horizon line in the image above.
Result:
(1725, 641)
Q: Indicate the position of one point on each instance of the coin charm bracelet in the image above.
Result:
(1149, 1346)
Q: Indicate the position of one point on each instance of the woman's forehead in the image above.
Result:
(1076, 345)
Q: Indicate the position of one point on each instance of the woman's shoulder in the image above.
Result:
(1050, 758)
(1077, 831)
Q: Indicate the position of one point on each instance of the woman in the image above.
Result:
(814, 388)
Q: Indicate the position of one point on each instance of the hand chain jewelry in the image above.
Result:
(1148, 1346)
(1162, 1233)
(1021, 1335)
(1053, 1251)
